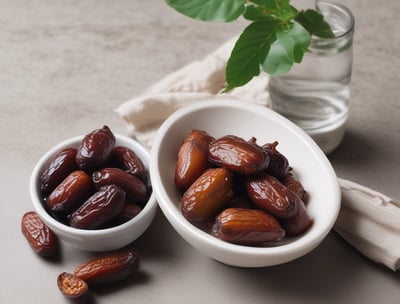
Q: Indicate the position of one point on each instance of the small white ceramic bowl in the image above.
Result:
(101, 239)
(220, 118)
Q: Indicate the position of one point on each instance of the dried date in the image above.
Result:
(298, 223)
(71, 285)
(100, 208)
(278, 164)
(128, 212)
(192, 158)
(294, 184)
(62, 164)
(108, 268)
(247, 227)
(238, 155)
(263, 199)
(71, 192)
(268, 194)
(135, 188)
(95, 149)
(127, 160)
(39, 236)
(207, 195)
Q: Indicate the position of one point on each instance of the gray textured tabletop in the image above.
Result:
(66, 65)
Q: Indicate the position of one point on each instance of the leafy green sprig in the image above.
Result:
(277, 37)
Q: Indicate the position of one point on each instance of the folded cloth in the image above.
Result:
(192, 83)
(368, 220)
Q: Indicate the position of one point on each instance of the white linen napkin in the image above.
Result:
(368, 220)
(192, 83)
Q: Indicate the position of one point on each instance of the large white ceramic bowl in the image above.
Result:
(220, 118)
(101, 239)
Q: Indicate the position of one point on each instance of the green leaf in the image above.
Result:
(302, 40)
(269, 4)
(288, 48)
(249, 51)
(287, 13)
(209, 10)
(258, 9)
(277, 37)
(254, 13)
(272, 4)
(314, 23)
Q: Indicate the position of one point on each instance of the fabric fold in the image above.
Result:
(370, 222)
(192, 83)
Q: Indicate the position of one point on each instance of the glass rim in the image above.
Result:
(345, 10)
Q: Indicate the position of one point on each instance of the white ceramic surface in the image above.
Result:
(102, 239)
(220, 118)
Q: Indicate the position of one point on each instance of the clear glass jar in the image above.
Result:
(315, 93)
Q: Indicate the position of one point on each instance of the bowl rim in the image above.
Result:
(296, 248)
(60, 227)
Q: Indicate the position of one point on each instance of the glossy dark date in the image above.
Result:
(62, 164)
(278, 163)
(127, 160)
(247, 227)
(207, 195)
(294, 184)
(95, 149)
(192, 158)
(40, 237)
(71, 192)
(136, 190)
(108, 268)
(268, 194)
(298, 223)
(238, 155)
(100, 208)
(260, 199)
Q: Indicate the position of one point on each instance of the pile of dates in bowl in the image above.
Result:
(94, 190)
(239, 191)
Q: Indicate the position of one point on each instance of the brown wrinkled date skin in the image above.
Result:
(108, 268)
(129, 211)
(298, 223)
(71, 192)
(238, 155)
(252, 187)
(294, 185)
(127, 160)
(279, 164)
(207, 195)
(71, 285)
(247, 227)
(72, 183)
(136, 190)
(62, 164)
(95, 149)
(268, 194)
(41, 239)
(99, 209)
(192, 158)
